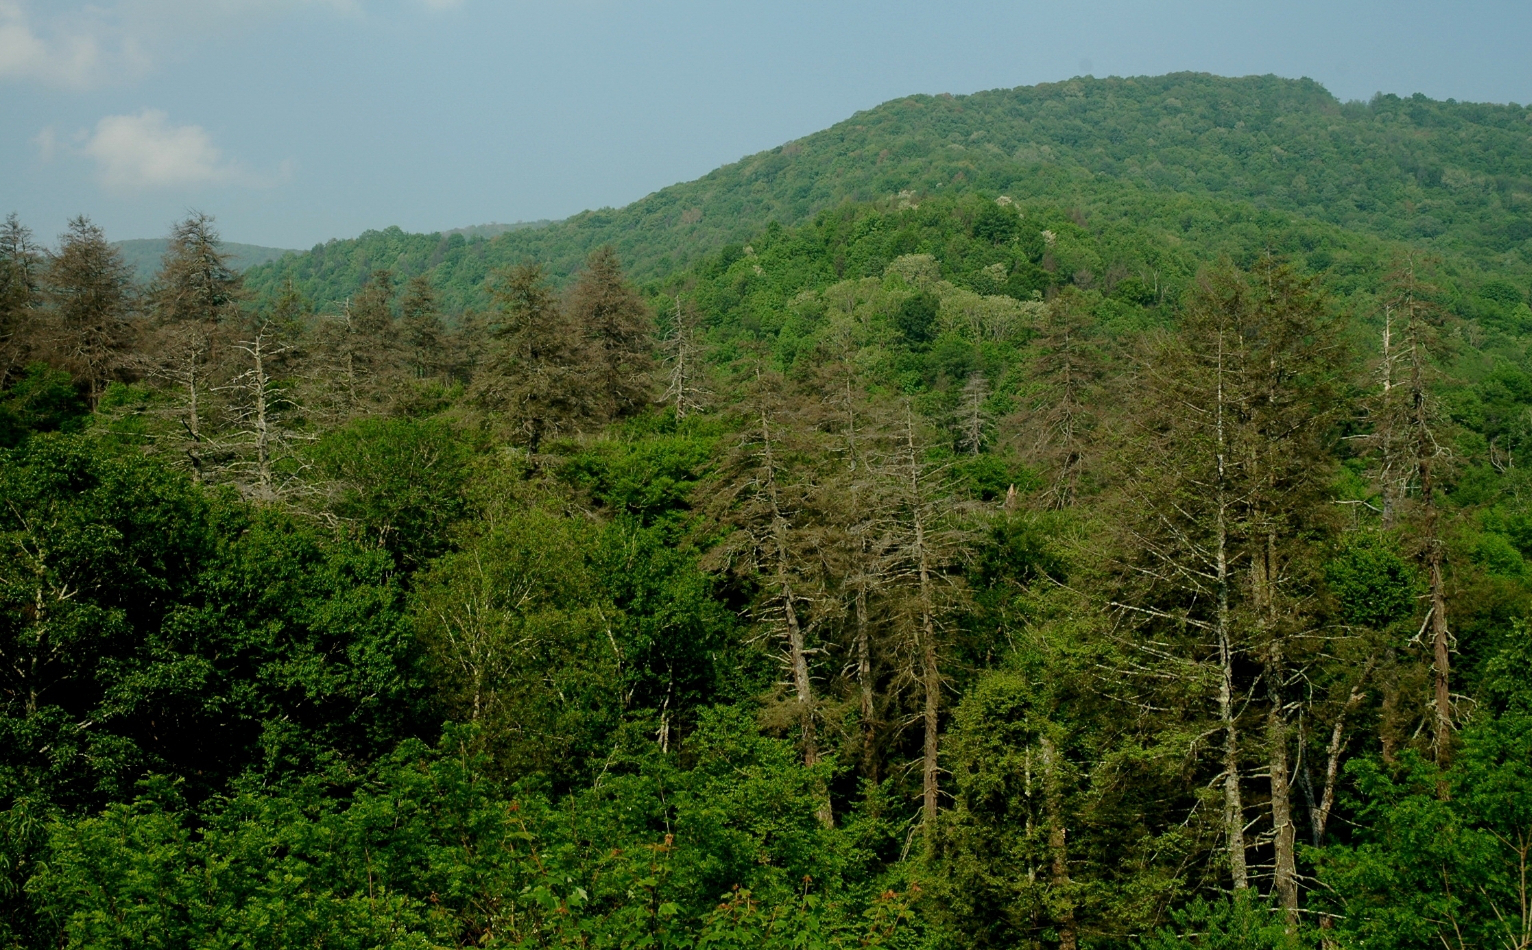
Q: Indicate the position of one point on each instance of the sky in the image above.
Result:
(297, 121)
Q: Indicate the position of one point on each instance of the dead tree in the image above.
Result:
(684, 356)
(260, 402)
(21, 269)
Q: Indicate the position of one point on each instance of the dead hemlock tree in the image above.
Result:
(924, 544)
(1226, 486)
(1410, 456)
(1055, 423)
(194, 297)
(260, 402)
(21, 268)
(764, 502)
(684, 357)
(356, 354)
(973, 419)
(850, 503)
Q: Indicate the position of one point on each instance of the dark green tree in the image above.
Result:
(536, 375)
(620, 330)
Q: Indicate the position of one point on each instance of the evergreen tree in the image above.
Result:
(424, 335)
(1226, 486)
(620, 330)
(535, 375)
(21, 270)
(89, 288)
(194, 301)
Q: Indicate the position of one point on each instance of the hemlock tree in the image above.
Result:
(261, 401)
(1057, 415)
(921, 548)
(90, 289)
(535, 374)
(424, 336)
(21, 269)
(194, 297)
(1413, 457)
(685, 365)
(1226, 481)
(620, 332)
(764, 496)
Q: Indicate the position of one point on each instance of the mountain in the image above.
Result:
(144, 255)
(1092, 516)
(1453, 178)
(495, 228)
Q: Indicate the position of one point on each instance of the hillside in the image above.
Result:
(1110, 552)
(1452, 177)
(143, 255)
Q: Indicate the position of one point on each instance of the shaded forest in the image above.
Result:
(1131, 554)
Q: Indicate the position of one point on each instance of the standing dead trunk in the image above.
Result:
(930, 671)
(1426, 451)
(1441, 662)
(1284, 832)
(1058, 846)
(1234, 811)
(867, 709)
(797, 650)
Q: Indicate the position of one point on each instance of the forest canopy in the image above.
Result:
(1089, 515)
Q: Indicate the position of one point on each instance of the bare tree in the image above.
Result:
(21, 269)
(924, 543)
(261, 401)
(1411, 300)
(765, 496)
(686, 367)
(1057, 416)
(973, 418)
(194, 299)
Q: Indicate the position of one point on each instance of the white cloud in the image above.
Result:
(47, 142)
(145, 151)
(78, 44)
(71, 60)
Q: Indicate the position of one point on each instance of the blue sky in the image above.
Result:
(295, 121)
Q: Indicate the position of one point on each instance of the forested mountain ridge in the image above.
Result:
(143, 255)
(1095, 566)
(1455, 177)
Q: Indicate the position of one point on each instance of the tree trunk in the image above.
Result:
(930, 673)
(1283, 829)
(1234, 811)
(864, 682)
(260, 391)
(798, 661)
(1058, 848)
(1441, 663)
(193, 422)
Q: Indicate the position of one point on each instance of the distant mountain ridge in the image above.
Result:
(144, 255)
(1447, 176)
(495, 228)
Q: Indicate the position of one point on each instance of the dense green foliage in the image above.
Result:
(1080, 516)
(1454, 177)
